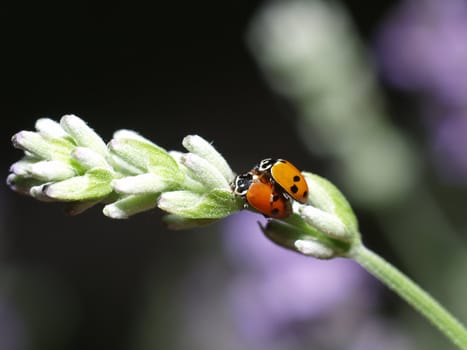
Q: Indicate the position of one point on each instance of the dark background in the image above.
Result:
(165, 70)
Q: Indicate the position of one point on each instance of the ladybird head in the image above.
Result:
(242, 183)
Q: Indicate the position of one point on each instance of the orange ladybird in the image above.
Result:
(263, 195)
(286, 175)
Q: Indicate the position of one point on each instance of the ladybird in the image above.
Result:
(267, 199)
(263, 195)
(286, 175)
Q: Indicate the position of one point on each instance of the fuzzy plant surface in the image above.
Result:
(69, 162)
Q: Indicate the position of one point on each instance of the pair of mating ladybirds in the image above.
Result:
(271, 186)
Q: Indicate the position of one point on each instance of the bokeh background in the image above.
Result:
(372, 96)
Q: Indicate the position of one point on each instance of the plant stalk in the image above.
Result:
(413, 294)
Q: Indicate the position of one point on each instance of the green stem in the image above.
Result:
(413, 294)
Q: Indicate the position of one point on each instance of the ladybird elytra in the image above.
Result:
(286, 175)
(268, 200)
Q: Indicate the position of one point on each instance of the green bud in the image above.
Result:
(313, 248)
(215, 204)
(295, 234)
(204, 172)
(147, 157)
(324, 222)
(189, 180)
(37, 192)
(51, 170)
(50, 129)
(82, 134)
(130, 134)
(338, 220)
(40, 147)
(89, 159)
(23, 166)
(130, 205)
(122, 166)
(199, 146)
(94, 184)
(324, 228)
(22, 184)
(141, 184)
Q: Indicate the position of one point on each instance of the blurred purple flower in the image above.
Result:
(12, 332)
(276, 290)
(450, 146)
(422, 47)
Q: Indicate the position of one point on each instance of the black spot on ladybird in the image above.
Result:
(275, 211)
(305, 194)
(296, 178)
(294, 189)
(275, 198)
